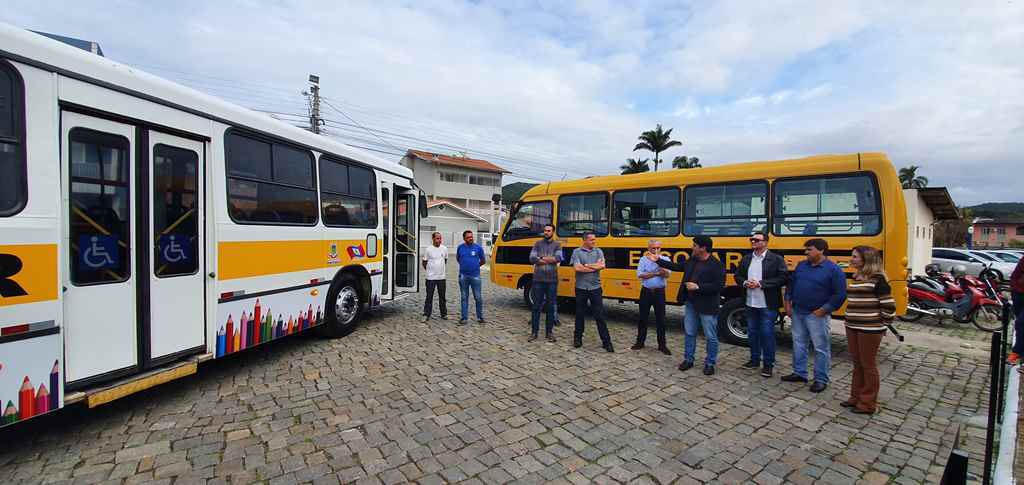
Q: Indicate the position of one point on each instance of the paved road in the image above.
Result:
(400, 400)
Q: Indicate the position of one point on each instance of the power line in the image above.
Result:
(335, 108)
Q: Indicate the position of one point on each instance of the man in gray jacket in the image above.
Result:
(545, 257)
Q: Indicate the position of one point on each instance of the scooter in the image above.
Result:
(964, 300)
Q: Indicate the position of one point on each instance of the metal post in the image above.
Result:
(1002, 360)
(993, 396)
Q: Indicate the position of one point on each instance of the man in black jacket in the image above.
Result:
(703, 281)
(761, 274)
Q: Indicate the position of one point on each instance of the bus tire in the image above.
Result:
(732, 322)
(527, 293)
(345, 307)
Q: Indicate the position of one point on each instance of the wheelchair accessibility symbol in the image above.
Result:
(98, 251)
(175, 249)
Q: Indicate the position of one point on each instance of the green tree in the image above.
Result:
(910, 179)
(633, 165)
(683, 161)
(656, 141)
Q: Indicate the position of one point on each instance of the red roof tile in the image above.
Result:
(472, 163)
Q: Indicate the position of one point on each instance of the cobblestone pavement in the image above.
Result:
(400, 400)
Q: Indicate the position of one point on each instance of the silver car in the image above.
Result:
(973, 261)
(1008, 256)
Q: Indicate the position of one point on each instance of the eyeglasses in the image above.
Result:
(754, 239)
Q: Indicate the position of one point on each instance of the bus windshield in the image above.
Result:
(528, 220)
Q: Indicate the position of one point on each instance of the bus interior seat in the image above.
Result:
(810, 229)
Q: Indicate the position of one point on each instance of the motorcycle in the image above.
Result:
(963, 298)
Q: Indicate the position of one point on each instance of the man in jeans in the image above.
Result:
(435, 258)
(545, 256)
(816, 288)
(470, 257)
(703, 282)
(652, 294)
(762, 274)
(588, 261)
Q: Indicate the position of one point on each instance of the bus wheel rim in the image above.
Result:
(737, 324)
(346, 305)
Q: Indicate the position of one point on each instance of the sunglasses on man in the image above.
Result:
(755, 239)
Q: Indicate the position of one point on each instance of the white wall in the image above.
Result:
(920, 231)
(426, 176)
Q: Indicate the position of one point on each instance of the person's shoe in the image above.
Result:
(751, 365)
(424, 318)
(793, 378)
(550, 338)
(861, 411)
(637, 346)
(665, 350)
(557, 323)
(818, 387)
(847, 404)
(709, 370)
(463, 321)
(481, 320)
(577, 342)
(1013, 358)
(686, 365)
(767, 371)
(608, 347)
(444, 317)
(533, 337)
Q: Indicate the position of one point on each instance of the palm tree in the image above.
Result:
(683, 161)
(656, 141)
(910, 179)
(633, 165)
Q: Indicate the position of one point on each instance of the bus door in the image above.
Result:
(175, 275)
(406, 230)
(387, 279)
(100, 277)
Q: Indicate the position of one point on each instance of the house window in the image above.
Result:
(482, 180)
(460, 178)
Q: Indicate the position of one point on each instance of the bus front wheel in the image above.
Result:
(344, 308)
(732, 322)
(527, 293)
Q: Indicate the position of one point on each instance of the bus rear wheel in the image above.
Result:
(732, 323)
(344, 308)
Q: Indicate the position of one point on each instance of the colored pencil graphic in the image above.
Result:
(229, 336)
(309, 316)
(220, 342)
(291, 325)
(318, 315)
(55, 386)
(258, 321)
(280, 326)
(238, 337)
(244, 332)
(42, 400)
(267, 324)
(10, 413)
(26, 400)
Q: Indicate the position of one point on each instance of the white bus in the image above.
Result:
(146, 227)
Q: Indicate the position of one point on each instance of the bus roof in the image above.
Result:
(769, 169)
(36, 50)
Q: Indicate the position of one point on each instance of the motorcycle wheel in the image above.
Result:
(968, 318)
(911, 316)
(988, 317)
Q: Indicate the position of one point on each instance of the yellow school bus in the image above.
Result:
(848, 200)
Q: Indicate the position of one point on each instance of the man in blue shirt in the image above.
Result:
(470, 257)
(816, 288)
(652, 293)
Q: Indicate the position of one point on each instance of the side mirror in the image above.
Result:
(423, 205)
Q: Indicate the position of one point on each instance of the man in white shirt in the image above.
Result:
(761, 275)
(434, 259)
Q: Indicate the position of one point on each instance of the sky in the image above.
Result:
(562, 89)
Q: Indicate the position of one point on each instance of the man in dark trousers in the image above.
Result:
(762, 274)
(703, 281)
(652, 294)
(545, 256)
(588, 261)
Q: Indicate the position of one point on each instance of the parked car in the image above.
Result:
(973, 261)
(1011, 257)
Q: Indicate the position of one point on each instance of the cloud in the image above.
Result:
(565, 87)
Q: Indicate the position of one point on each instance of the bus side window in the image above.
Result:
(269, 182)
(734, 209)
(833, 205)
(13, 177)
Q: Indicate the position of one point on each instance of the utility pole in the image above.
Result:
(313, 95)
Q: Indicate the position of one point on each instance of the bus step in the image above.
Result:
(130, 385)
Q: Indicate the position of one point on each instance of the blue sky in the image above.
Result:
(562, 89)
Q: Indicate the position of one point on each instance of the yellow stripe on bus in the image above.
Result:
(35, 279)
(245, 259)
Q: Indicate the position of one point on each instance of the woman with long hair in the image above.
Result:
(870, 308)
